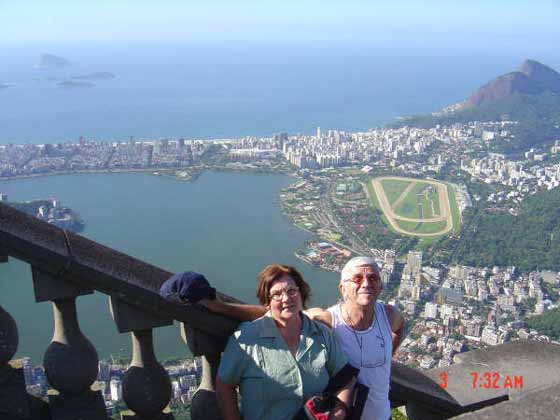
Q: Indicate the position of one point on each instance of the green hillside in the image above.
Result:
(548, 323)
(529, 241)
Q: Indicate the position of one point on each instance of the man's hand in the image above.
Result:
(319, 314)
(188, 286)
(338, 413)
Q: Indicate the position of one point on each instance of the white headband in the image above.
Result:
(348, 270)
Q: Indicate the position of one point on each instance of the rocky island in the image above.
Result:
(72, 84)
(98, 75)
(51, 61)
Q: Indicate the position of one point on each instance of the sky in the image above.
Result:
(472, 22)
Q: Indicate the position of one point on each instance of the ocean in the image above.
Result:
(234, 89)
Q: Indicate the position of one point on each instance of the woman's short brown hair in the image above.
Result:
(273, 272)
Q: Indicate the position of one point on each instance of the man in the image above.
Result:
(368, 331)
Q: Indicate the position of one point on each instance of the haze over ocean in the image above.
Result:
(236, 89)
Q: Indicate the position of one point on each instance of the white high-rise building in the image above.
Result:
(116, 390)
(446, 310)
(176, 389)
(490, 336)
(430, 310)
(414, 261)
(104, 371)
(27, 371)
(473, 328)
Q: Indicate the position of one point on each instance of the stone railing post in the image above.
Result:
(146, 384)
(13, 396)
(204, 405)
(70, 361)
(15, 402)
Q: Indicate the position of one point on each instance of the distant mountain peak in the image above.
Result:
(546, 77)
(529, 66)
(532, 78)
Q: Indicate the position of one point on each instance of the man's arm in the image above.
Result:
(237, 311)
(396, 321)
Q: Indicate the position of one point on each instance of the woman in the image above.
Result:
(281, 359)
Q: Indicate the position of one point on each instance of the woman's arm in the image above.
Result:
(227, 400)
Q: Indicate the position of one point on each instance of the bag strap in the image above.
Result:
(359, 399)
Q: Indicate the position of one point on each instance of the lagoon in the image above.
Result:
(225, 225)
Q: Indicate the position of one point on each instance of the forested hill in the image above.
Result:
(538, 117)
(528, 241)
(548, 323)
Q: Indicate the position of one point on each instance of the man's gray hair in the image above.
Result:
(350, 266)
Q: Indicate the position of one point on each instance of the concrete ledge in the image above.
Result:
(451, 391)
(492, 372)
(542, 405)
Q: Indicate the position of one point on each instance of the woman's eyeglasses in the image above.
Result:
(277, 294)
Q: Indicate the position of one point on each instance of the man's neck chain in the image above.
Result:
(353, 328)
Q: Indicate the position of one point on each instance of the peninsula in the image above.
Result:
(50, 211)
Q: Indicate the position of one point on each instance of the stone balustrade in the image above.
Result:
(66, 266)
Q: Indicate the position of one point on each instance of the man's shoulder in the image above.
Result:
(394, 316)
(391, 310)
(320, 315)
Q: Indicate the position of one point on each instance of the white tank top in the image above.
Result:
(370, 351)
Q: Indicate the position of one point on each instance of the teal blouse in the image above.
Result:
(272, 383)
